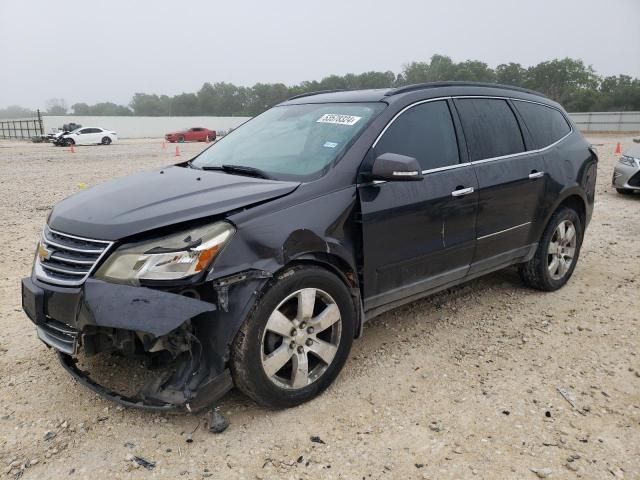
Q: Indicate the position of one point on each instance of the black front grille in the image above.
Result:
(59, 335)
(67, 259)
(635, 180)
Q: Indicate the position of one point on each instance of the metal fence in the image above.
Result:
(23, 129)
(607, 121)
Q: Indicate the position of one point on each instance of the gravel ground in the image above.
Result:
(461, 385)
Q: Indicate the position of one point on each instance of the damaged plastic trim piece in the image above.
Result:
(221, 285)
(221, 385)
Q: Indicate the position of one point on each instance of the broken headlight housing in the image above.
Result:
(173, 257)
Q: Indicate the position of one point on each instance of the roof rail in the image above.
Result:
(317, 92)
(423, 86)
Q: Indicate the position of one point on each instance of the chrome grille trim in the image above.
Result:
(72, 258)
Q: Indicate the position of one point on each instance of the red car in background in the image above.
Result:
(196, 134)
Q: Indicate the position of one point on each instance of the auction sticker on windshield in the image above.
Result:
(338, 119)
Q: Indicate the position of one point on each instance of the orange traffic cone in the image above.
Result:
(71, 149)
(618, 148)
(177, 151)
(164, 145)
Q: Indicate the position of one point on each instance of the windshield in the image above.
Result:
(292, 142)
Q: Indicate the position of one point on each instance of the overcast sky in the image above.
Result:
(106, 50)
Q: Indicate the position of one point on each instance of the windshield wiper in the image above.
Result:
(238, 170)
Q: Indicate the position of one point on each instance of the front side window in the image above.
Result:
(424, 132)
(546, 125)
(490, 128)
(297, 142)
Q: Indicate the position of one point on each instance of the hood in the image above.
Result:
(154, 199)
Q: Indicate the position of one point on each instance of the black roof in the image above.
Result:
(427, 89)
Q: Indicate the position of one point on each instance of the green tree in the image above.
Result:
(562, 80)
(15, 111)
(511, 74)
(56, 106)
(147, 105)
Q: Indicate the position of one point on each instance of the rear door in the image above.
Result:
(418, 235)
(511, 181)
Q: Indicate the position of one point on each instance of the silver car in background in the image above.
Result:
(626, 174)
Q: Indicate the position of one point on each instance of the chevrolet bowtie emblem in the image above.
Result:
(43, 252)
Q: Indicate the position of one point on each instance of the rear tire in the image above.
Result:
(106, 141)
(557, 253)
(624, 191)
(273, 357)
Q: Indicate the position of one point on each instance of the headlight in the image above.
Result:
(173, 257)
(629, 161)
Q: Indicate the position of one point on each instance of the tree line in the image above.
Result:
(568, 81)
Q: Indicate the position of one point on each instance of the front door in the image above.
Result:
(419, 235)
(511, 182)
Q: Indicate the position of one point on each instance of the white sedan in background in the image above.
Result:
(88, 136)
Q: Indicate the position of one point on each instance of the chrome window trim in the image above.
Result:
(483, 160)
(448, 167)
(415, 104)
(503, 231)
(41, 274)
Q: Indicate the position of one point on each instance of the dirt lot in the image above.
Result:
(460, 385)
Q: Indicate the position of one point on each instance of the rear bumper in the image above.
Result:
(100, 316)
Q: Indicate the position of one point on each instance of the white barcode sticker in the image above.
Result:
(338, 119)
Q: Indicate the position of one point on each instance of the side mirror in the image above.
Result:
(393, 167)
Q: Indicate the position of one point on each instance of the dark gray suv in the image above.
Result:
(257, 263)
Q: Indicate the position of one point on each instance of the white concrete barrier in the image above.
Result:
(144, 127)
(155, 127)
(607, 121)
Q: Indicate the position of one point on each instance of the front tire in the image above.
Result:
(296, 340)
(181, 139)
(624, 191)
(69, 141)
(557, 253)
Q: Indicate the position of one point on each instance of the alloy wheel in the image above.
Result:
(562, 249)
(301, 338)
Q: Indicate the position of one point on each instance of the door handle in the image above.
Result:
(533, 175)
(461, 192)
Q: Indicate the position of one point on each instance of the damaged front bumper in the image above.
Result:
(184, 329)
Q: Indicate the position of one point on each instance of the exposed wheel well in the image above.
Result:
(575, 202)
(342, 270)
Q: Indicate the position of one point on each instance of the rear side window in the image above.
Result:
(424, 132)
(490, 128)
(546, 125)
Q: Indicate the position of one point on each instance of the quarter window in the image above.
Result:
(424, 132)
(490, 128)
(546, 125)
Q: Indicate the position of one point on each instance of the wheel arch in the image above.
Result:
(341, 269)
(573, 198)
